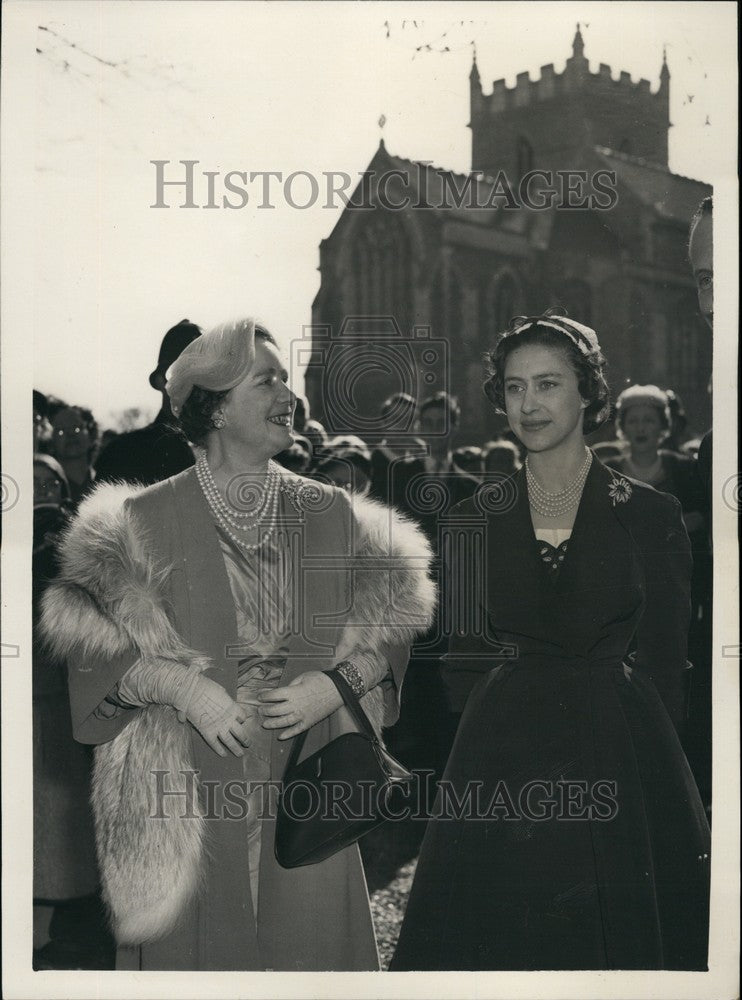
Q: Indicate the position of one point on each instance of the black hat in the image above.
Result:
(173, 344)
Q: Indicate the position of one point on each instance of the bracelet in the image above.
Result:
(350, 672)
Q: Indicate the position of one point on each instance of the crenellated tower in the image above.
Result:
(544, 123)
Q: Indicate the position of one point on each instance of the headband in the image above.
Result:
(583, 337)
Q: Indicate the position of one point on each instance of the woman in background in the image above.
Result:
(644, 422)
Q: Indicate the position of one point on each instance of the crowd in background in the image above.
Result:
(416, 468)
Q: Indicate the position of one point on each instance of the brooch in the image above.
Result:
(620, 490)
(303, 495)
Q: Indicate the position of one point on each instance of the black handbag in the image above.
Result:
(336, 795)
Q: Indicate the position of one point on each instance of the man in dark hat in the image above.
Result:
(159, 450)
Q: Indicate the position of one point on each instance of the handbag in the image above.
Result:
(336, 795)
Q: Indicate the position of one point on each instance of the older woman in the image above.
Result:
(568, 832)
(199, 617)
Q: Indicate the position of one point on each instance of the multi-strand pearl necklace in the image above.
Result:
(555, 504)
(231, 520)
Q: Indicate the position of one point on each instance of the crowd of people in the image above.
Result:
(546, 378)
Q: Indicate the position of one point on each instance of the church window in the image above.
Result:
(382, 270)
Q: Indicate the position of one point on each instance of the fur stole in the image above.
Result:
(109, 597)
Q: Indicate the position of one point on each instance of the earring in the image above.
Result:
(217, 420)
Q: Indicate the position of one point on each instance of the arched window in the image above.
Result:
(524, 156)
(382, 269)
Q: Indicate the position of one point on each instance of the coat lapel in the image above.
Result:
(590, 572)
(514, 575)
(521, 598)
(213, 624)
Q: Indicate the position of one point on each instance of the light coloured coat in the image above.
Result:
(142, 574)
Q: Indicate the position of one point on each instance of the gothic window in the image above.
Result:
(524, 156)
(382, 269)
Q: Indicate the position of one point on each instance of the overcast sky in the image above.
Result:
(278, 87)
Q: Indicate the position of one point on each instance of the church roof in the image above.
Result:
(434, 185)
(668, 195)
(671, 196)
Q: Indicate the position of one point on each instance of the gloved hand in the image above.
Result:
(299, 705)
(198, 699)
(217, 716)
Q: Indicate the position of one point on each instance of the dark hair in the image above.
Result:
(468, 459)
(501, 456)
(677, 410)
(88, 421)
(402, 405)
(588, 367)
(705, 207)
(444, 401)
(196, 415)
(53, 405)
(40, 403)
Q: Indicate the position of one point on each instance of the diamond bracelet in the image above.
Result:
(353, 676)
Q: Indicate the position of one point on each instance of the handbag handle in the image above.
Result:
(351, 703)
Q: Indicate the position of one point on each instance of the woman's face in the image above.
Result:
(259, 412)
(70, 434)
(643, 429)
(542, 400)
(47, 489)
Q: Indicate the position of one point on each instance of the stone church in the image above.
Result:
(421, 276)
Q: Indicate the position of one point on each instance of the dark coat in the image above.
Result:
(574, 678)
(148, 455)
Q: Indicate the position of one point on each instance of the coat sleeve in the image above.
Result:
(92, 681)
(392, 598)
(662, 634)
(107, 607)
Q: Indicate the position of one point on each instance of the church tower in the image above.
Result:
(546, 123)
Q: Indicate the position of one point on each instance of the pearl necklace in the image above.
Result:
(555, 504)
(227, 517)
(240, 520)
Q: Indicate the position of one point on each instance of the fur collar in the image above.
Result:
(110, 596)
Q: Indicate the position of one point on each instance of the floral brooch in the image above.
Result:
(620, 490)
(303, 495)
